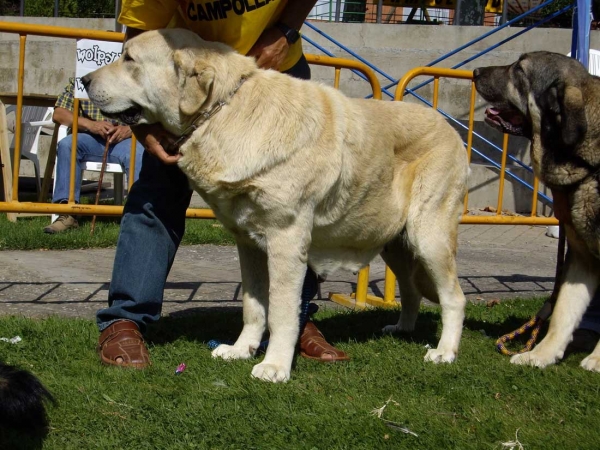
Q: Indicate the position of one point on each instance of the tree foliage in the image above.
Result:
(66, 8)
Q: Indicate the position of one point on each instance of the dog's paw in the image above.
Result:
(533, 359)
(436, 356)
(232, 352)
(271, 372)
(591, 363)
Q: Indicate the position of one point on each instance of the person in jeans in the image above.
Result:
(154, 218)
(94, 131)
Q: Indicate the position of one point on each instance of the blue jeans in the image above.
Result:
(151, 229)
(89, 148)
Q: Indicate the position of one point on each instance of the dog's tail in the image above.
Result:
(22, 402)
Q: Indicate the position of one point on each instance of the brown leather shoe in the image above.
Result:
(314, 346)
(122, 344)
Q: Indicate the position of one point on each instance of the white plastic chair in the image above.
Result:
(115, 169)
(33, 118)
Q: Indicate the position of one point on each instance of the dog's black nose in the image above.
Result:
(86, 80)
(476, 73)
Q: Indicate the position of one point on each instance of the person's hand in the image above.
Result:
(101, 128)
(155, 140)
(270, 50)
(118, 134)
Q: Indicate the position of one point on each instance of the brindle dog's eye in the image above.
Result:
(127, 57)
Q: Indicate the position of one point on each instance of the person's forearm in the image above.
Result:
(296, 12)
(64, 117)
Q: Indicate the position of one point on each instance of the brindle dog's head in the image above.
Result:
(538, 95)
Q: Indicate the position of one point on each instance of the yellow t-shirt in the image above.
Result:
(237, 23)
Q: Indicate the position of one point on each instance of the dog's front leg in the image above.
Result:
(287, 256)
(580, 282)
(255, 287)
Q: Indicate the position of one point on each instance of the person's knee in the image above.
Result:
(63, 147)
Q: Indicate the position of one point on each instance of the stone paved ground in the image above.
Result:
(494, 262)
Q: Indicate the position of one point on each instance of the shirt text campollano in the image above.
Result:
(219, 9)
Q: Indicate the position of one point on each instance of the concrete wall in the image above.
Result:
(395, 49)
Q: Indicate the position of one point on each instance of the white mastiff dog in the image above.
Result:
(301, 174)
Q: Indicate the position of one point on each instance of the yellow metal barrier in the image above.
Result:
(360, 299)
(12, 203)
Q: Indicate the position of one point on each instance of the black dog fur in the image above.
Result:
(23, 418)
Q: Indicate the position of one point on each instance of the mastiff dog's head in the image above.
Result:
(538, 95)
(168, 77)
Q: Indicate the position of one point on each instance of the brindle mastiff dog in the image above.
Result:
(553, 100)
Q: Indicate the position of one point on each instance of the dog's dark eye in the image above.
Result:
(127, 57)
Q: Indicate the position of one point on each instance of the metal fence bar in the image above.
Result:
(360, 299)
(13, 205)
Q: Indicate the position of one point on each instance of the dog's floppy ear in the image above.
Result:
(195, 82)
(574, 124)
(564, 105)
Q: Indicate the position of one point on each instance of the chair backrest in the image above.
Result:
(30, 133)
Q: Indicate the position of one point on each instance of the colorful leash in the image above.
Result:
(535, 323)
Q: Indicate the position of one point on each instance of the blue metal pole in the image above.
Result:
(584, 22)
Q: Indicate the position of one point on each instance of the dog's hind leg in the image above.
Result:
(580, 282)
(433, 239)
(255, 286)
(401, 261)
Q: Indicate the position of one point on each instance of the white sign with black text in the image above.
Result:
(91, 55)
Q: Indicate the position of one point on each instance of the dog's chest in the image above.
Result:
(239, 213)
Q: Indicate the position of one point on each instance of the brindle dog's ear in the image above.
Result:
(563, 105)
(195, 82)
(549, 101)
(574, 124)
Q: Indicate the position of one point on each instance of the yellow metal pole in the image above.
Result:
(362, 286)
(336, 78)
(319, 60)
(436, 91)
(470, 137)
(508, 220)
(89, 210)
(389, 289)
(502, 174)
(431, 71)
(534, 198)
(19, 118)
(63, 32)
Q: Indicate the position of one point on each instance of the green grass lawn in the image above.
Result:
(479, 402)
(27, 234)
